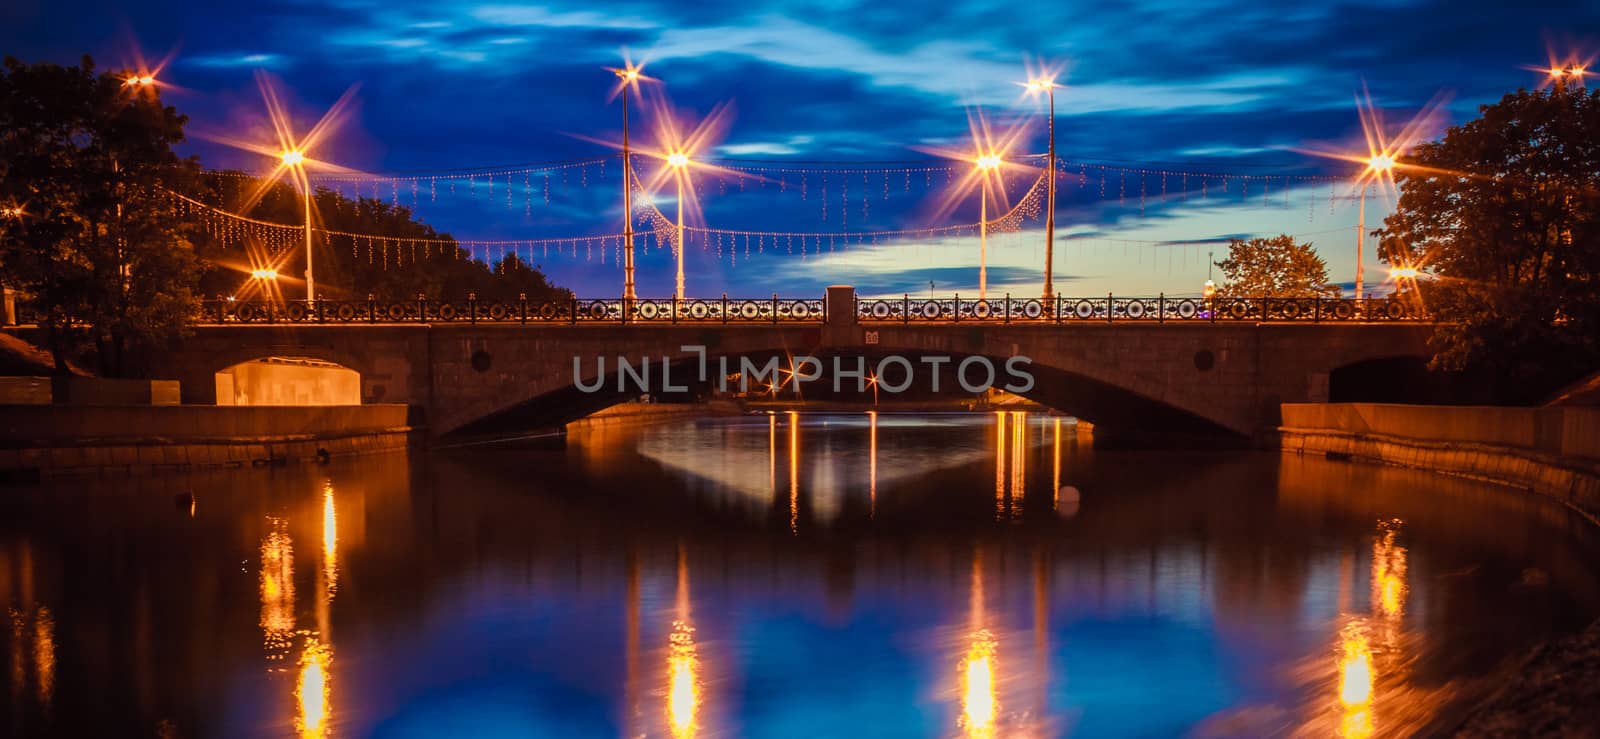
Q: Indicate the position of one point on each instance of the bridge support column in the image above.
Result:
(842, 329)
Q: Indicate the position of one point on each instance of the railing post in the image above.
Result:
(1008, 308)
(1058, 307)
(1316, 309)
(522, 307)
(724, 309)
(1161, 310)
(1263, 311)
(574, 310)
(472, 307)
(774, 309)
(905, 310)
(372, 308)
(958, 308)
(674, 308)
(1111, 307)
(317, 310)
(422, 308)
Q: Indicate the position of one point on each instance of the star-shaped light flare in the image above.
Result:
(988, 150)
(629, 76)
(1564, 70)
(290, 154)
(1385, 153)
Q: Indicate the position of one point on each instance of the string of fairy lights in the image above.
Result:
(850, 188)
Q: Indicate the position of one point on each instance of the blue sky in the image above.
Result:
(1196, 86)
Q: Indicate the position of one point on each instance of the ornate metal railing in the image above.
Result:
(1114, 309)
(473, 310)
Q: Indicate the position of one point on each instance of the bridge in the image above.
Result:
(1135, 367)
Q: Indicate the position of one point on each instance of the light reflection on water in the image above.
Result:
(901, 576)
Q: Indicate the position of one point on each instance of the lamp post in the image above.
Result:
(679, 162)
(1377, 166)
(294, 159)
(987, 164)
(1048, 86)
(629, 75)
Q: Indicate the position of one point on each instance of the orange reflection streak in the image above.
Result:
(1019, 462)
(1355, 683)
(18, 671)
(999, 464)
(794, 472)
(772, 453)
(330, 541)
(277, 587)
(44, 654)
(872, 465)
(1388, 571)
(1055, 476)
(979, 704)
(312, 690)
(683, 685)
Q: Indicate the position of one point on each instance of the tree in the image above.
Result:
(351, 267)
(94, 244)
(1279, 267)
(1505, 212)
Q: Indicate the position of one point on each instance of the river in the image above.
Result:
(850, 575)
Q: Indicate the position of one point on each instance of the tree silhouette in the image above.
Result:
(1279, 267)
(97, 250)
(1505, 211)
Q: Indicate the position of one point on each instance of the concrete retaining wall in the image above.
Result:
(71, 439)
(1554, 451)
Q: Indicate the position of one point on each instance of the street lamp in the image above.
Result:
(295, 159)
(1048, 87)
(679, 162)
(628, 76)
(1379, 165)
(264, 274)
(987, 164)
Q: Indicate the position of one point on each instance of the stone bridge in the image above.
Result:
(1130, 378)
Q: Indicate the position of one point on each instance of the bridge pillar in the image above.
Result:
(842, 328)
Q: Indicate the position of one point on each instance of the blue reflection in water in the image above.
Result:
(782, 576)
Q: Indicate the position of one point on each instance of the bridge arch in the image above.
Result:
(287, 380)
(1118, 409)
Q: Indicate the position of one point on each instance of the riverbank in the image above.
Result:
(38, 440)
(1550, 451)
(1554, 692)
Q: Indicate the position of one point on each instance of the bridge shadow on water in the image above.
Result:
(1121, 417)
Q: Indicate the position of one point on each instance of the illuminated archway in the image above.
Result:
(288, 381)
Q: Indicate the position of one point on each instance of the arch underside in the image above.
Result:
(1116, 411)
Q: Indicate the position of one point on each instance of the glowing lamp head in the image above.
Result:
(1381, 163)
(264, 274)
(1404, 273)
(1557, 71)
(678, 160)
(1041, 85)
(988, 162)
(293, 157)
(11, 212)
(140, 80)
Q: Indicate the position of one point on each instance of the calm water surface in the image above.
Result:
(785, 576)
